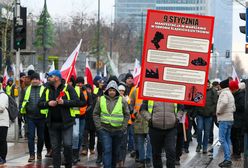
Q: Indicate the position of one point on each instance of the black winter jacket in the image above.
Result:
(239, 97)
(60, 113)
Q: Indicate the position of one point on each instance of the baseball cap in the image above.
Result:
(55, 73)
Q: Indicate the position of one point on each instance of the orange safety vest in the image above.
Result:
(138, 102)
(82, 110)
(132, 116)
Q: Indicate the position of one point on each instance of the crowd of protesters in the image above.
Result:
(70, 116)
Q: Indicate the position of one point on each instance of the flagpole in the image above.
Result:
(69, 73)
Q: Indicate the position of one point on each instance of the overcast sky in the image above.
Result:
(65, 8)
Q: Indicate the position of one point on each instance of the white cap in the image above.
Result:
(121, 87)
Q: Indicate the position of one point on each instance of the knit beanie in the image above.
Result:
(224, 83)
(128, 75)
(35, 76)
(30, 72)
(233, 85)
(80, 79)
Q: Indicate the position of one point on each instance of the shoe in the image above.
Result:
(75, 156)
(194, 135)
(2, 161)
(49, 153)
(84, 152)
(39, 156)
(204, 151)
(186, 150)
(31, 158)
(236, 156)
(225, 163)
(99, 160)
(92, 152)
(177, 162)
(148, 162)
(198, 148)
(140, 164)
(132, 154)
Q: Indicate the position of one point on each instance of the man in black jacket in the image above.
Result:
(59, 99)
(237, 136)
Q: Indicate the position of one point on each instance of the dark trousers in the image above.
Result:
(47, 139)
(58, 135)
(211, 134)
(89, 139)
(3, 142)
(237, 139)
(130, 142)
(166, 139)
(99, 146)
(20, 126)
(180, 141)
(34, 124)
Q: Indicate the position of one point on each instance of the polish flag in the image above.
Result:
(5, 77)
(88, 74)
(136, 72)
(68, 69)
(234, 75)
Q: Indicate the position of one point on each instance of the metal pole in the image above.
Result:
(17, 77)
(44, 38)
(98, 38)
(141, 36)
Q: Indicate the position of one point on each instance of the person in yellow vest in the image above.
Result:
(34, 116)
(141, 137)
(111, 115)
(60, 99)
(9, 89)
(162, 124)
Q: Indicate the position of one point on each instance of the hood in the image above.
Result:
(112, 84)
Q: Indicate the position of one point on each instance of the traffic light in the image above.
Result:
(20, 29)
(244, 29)
(246, 48)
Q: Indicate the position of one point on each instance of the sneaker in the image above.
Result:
(198, 148)
(225, 163)
(194, 135)
(177, 162)
(39, 156)
(31, 158)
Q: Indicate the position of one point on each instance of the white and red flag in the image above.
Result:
(88, 74)
(5, 77)
(235, 76)
(68, 69)
(52, 67)
(136, 72)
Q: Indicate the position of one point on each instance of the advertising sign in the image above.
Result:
(176, 57)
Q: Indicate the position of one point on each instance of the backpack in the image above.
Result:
(12, 109)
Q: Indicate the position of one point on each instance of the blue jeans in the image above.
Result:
(203, 124)
(130, 133)
(81, 131)
(225, 138)
(111, 146)
(33, 124)
(142, 142)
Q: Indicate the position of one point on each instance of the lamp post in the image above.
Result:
(32, 36)
(98, 38)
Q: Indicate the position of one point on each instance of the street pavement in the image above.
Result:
(18, 156)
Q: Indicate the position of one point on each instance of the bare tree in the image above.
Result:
(237, 63)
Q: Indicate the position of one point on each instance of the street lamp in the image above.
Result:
(30, 15)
